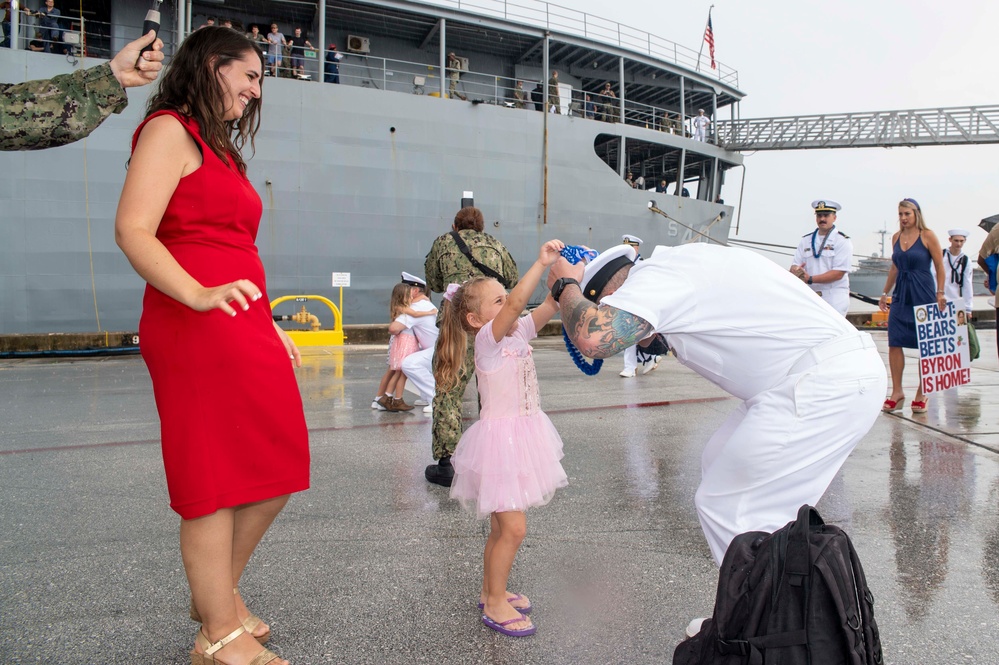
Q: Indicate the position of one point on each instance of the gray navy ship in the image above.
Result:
(359, 178)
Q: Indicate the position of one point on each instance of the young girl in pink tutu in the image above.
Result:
(509, 459)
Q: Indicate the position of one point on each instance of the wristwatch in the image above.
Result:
(809, 280)
(559, 286)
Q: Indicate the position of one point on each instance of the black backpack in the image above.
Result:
(797, 596)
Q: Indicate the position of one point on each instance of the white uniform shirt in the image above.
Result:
(424, 327)
(835, 252)
(960, 293)
(734, 317)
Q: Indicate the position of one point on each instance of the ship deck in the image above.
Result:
(373, 565)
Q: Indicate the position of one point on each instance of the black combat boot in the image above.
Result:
(441, 473)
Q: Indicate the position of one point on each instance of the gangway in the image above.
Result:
(967, 125)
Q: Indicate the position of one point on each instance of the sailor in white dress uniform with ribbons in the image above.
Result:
(811, 384)
(824, 257)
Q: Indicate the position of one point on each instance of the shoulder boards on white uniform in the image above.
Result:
(842, 234)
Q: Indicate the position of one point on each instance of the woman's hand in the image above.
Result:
(219, 297)
(289, 346)
(883, 303)
(550, 252)
(941, 302)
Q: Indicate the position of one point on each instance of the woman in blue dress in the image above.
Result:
(914, 249)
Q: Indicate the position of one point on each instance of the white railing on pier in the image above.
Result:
(943, 126)
(574, 22)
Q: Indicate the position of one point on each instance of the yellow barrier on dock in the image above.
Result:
(315, 335)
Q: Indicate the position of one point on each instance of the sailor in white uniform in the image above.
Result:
(824, 256)
(631, 353)
(418, 367)
(811, 383)
(701, 123)
(958, 280)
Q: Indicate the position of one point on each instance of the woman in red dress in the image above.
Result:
(234, 439)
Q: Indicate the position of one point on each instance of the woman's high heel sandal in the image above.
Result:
(210, 648)
(250, 623)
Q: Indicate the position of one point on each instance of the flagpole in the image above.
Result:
(702, 38)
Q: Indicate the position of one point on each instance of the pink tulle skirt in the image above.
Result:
(507, 464)
(401, 346)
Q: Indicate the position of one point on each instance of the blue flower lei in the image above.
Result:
(574, 254)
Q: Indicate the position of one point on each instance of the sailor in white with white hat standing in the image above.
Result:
(824, 257)
(811, 384)
(418, 366)
(958, 280)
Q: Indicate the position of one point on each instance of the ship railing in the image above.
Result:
(76, 37)
(421, 78)
(565, 20)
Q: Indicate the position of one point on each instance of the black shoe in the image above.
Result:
(441, 473)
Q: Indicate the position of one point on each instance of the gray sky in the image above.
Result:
(807, 57)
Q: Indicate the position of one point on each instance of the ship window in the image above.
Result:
(658, 162)
(654, 162)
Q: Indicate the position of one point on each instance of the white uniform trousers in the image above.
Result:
(630, 356)
(838, 299)
(418, 368)
(781, 448)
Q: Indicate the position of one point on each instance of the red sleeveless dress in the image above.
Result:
(232, 426)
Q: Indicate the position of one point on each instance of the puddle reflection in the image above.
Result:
(931, 485)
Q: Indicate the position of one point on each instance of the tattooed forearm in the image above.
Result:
(600, 332)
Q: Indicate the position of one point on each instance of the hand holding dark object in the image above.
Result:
(152, 22)
(134, 66)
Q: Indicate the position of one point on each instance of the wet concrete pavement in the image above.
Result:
(374, 565)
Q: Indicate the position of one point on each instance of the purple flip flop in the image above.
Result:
(512, 599)
(501, 626)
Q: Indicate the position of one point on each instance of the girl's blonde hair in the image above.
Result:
(911, 203)
(400, 300)
(453, 342)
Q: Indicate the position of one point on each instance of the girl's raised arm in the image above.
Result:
(413, 312)
(517, 300)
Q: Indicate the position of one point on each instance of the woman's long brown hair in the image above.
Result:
(191, 86)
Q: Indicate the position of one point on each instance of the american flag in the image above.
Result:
(709, 37)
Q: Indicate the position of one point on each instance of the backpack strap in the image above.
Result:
(484, 269)
(872, 637)
(752, 649)
(799, 564)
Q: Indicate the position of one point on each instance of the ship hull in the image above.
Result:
(353, 180)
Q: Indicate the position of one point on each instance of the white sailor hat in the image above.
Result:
(413, 280)
(630, 239)
(958, 232)
(825, 205)
(599, 271)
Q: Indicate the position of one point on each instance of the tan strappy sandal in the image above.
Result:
(250, 623)
(210, 648)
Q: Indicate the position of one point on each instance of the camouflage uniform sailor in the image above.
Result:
(554, 104)
(824, 256)
(57, 111)
(447, 264)
(66, 108)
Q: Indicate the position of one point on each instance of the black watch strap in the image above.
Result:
(559, 286)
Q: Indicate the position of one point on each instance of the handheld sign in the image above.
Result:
(944, 356)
